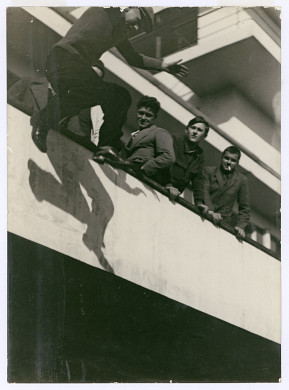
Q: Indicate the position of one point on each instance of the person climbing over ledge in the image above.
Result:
(77, 86)
(84, 128)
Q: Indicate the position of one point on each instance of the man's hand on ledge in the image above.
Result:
(173, 193)
(217, 218)
(175, 68)
(240, 233)
(203, 208)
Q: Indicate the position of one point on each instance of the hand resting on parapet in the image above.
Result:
(240, 233)
(173, 193)
(217, 217)
(202, 208)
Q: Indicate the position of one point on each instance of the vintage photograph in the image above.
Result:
(144, 193)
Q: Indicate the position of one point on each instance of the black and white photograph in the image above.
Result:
(144, 194)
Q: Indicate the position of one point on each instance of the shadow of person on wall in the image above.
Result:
(118, 177)
(74, 169)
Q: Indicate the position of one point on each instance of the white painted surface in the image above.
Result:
(251, 117)
(266, 239)
(224, 27)
(143, 236)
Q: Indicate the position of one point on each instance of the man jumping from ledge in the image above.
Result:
(78, 86)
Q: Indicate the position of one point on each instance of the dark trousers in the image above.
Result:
(78, 87)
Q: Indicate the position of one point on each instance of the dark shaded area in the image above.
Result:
(70, 322)
(28, 40)
(74, 169)
(274, 14)
(175, 29)
(68, 196)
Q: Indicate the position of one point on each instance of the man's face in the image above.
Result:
(132, 18)
(145, 117)
(229, 161)
(196, 132)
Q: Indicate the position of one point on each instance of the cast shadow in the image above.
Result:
(118, 177)
(73, 168)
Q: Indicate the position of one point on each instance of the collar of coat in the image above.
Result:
(138, 135)
(191, 148)
(182, 154)
(219, 177)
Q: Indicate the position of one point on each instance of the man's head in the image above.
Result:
(147, 111)
(139, 18)
(230, 158)
(197, 129)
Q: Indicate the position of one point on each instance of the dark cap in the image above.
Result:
(199, 119)
(147, 18)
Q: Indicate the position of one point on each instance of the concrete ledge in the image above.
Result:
(110, 220)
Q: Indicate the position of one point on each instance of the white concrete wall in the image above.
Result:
(255, 122)
(108, 219)
(227, 25)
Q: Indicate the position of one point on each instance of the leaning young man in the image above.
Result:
(189, 161)
(150, 148)
(224, 186)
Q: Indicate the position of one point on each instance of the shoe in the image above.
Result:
(39, 138)
(99, 159)
(79, 139)
(106, 152)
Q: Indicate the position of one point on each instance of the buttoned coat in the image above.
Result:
(221, 197)
(153, 146)
(187, 168)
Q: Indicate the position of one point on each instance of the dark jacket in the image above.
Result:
(27, 95)
(187, 168)
(221, 197)
(98, 30)
(153, 147)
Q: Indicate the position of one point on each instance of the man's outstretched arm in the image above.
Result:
(141, 61)
(164, 153)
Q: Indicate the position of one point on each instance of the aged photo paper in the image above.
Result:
(144, 193)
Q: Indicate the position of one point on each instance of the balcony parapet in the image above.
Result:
(109, 219)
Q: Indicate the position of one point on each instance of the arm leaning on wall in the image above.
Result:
(164, 153)
(206, 187)
(197, 181)
(244, 204)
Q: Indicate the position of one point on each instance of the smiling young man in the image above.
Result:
(150, 148)
(69, 69)
(189, 161)
(224, 186)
